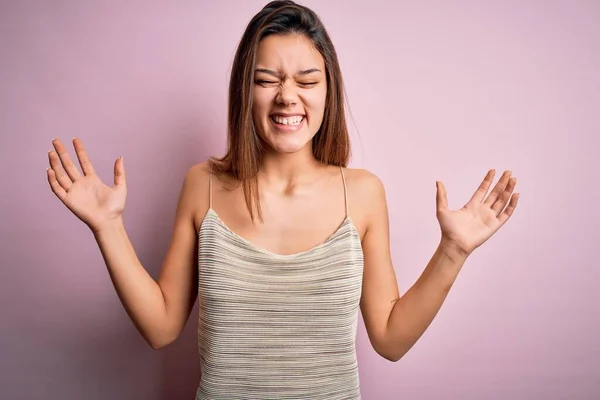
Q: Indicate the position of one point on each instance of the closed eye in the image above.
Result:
(265, 82)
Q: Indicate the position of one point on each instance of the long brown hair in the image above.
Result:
(331, 144)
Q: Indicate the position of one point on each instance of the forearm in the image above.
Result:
(416, 309)
(139, 293)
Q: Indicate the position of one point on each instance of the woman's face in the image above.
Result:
(289, 92)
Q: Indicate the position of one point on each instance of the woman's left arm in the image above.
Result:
(394, 323)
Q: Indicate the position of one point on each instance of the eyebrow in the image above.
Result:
(277, 74)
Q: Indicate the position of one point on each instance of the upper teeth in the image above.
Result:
(295, 120)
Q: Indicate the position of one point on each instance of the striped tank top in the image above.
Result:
(274, 326)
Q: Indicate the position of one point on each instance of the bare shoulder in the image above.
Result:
(363, 179)
(199, 171)
(366, 196)
(196, 178)
(195, 191)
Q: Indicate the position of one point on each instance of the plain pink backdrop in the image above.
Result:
(438, 90)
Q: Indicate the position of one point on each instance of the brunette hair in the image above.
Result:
(331, 144)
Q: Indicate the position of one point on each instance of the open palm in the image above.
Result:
(473, 224)
(84, 193)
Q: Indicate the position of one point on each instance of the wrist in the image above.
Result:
(108, 227)
(451, 250)
(447, 264)
(452, 259)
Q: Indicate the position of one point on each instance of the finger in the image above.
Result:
(57, 189)
(82, 156)
(505, 196)
(61, 177)
(66, 161)
(509, 210)
(498, 189)
(119, 172)
(441, 199)
(483, 188)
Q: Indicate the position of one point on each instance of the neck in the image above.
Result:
(287, 170)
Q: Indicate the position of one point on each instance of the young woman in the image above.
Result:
(281, 242)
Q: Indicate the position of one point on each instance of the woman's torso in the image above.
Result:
(279, 300)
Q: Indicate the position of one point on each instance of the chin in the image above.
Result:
(287, 146)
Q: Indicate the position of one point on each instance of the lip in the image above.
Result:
(285, 115)
(287, 128)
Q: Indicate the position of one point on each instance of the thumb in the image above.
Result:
(119, 172)
(441, 198)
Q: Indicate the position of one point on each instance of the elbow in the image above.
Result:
(390, 351)
(156, 344)
(160, 341)
(385, 352)
(395, 358)
(394, 346)
(390, 356)
(161, 333)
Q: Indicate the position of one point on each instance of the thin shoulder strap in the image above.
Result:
(210, 188)
(345, 191)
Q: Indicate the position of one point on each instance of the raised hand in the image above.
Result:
(93, 202)
(469, 227)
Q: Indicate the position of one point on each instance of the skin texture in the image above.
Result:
(303, 204)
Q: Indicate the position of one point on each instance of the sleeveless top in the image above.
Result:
(274, 326)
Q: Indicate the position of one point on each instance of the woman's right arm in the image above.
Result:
(158, 308)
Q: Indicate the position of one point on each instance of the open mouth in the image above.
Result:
(294, 120)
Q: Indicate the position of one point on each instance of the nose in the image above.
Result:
(287, 95)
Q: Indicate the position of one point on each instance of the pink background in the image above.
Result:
(438, 90)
